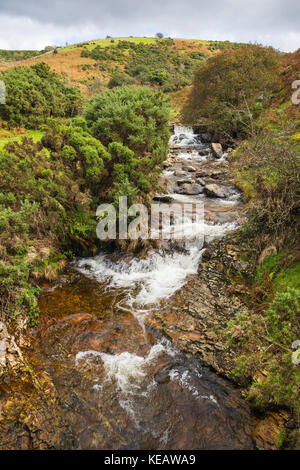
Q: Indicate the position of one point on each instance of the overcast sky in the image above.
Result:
(34, 24)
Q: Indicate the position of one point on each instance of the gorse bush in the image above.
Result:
(119, 144)
(78, 149)
(228, 86)
(40, 201)
(135, 117)
(34, 94)
(133, 123)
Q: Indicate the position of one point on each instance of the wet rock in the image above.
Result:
(162, 377)
(189, 168)
(206, 138)
(205, 151)
(179, 173)
(217, 150)
(214, 190)
(163, 198)
(183, 181)
(191, 189)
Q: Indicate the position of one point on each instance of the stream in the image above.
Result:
(120, 384)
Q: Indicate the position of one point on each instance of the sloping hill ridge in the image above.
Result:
(166, 63)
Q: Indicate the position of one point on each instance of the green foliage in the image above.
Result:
(265, 343)
(281, 316)
(134, 124)
(29, 298)
(80, 151)
(143, 62)
(135, 117)
(12, 56)
(35, 93)
(119, 79)
(228, 86)
(40, 197)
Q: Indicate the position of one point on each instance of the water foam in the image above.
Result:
(155, 278)
(129, 373)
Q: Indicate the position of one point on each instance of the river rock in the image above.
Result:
(206, 138)
(204, 152)
(191, 189)
(200, 181)
(183, 181)
(179, 173)
(217, 150)
(163, 198)
(214, 190)
(189, 168)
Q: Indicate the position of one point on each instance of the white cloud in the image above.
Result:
(26, 33)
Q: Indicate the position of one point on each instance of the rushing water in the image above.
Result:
(119, 384)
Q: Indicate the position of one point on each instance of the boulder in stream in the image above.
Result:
(189, 168)
(179, 173)
(217, 150)
(214, 190)
(191, 189)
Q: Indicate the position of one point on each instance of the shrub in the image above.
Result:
(36, 93)
(270, 163)
(135, 117)
(119, 79)
(40, 199)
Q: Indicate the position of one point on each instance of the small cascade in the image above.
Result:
(185, 137)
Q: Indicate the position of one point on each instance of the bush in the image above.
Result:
(135, 117)
(36, 93)
(133, 123)
(270, 163)
(40, 200)
(82, 153)
(119, 79)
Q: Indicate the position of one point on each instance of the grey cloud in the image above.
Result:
(274, 22)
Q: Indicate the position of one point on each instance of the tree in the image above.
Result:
(159, 35)
(228, 86)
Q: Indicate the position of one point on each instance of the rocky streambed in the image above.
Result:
(127, 353)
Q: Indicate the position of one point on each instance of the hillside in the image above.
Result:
(166, 63)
